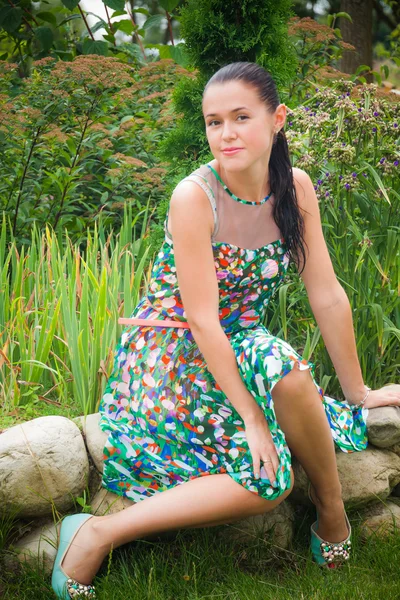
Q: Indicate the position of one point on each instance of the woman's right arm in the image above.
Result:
(191, 226)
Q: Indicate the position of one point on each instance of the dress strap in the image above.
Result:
(203, 183)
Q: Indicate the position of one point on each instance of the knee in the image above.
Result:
(286, 493)
(264, 505)
(293, 383)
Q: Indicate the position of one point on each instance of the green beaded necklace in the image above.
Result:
(233, 195)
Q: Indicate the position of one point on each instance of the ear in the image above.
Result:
(280, 117)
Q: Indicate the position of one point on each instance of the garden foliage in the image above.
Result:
(79, 138)
(95, 143)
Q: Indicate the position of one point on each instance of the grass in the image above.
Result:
(202, 564)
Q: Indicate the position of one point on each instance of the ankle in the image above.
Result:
(327, 498)
(100, 535)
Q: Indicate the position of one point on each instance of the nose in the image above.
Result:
(228, 131)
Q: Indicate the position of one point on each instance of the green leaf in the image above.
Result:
(362, 68)
(169, 5)
(126, 26)
(95, 47)
(143, 11)
(115, 4)
(119, 13)
(70, 4)
(378, 180)
(48, 17)
(45, 36)
(153, 21)
(99, 25)
(69, 18)
(10, 18)
(344, 15)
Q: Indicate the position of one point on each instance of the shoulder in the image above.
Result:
(304, 187)
(190, 203)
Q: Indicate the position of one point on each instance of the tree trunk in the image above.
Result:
(358, 33)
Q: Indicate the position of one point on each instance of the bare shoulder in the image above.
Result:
(304, 187)
(190, 206)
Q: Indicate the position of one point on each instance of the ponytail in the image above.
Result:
(286, 212)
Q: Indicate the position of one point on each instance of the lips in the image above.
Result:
(231, 150)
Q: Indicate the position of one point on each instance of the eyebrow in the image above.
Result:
(232, 111)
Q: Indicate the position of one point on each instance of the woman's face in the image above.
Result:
(251, 128)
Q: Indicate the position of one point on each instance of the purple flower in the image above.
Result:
(343, 143)
(340, 177)
(315, 187)
(359, 109)
(354, 174)
(374, 129)
(347, 186)
(382, 160)
(348, 94)
(327, 174)
(396, 163)
(290, 123)
(326, 194)
(365, 174)
(319, 182)
(395, 124)
(376, 114)
(316, 89)
(307, 108)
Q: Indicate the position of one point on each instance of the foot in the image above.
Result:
(85, 555)
(332, 526)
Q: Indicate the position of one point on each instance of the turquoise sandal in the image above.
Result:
(329, 554)
(65, 587)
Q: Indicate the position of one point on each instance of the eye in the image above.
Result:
(211, 122)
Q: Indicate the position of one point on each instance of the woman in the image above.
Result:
(204, 402)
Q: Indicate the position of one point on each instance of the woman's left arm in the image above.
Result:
(330, 304)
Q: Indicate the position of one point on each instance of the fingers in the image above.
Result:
(270, 462)
(270, 471)
(256, 465)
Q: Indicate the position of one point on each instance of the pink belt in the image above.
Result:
(154, 322)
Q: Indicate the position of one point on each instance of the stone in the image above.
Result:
(384, 426)
(107, 503)
(275, 526)
(38, 548)
(366, 477)
(396, 491)
(43, 466)
(382, 521)
(95, 438)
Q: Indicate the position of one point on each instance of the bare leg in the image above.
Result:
(302, 418)
(201, 502)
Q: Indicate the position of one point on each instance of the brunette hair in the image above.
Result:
(286, 212)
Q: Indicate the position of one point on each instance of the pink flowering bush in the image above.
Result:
(80, 138)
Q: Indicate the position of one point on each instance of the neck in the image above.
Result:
(250, 184)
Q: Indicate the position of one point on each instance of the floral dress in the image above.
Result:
(167, 419)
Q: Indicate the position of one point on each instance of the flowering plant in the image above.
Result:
(346, 137)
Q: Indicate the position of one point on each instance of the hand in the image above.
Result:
(262, 447)
(388, 395)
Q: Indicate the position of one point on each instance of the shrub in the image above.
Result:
(79, 139)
